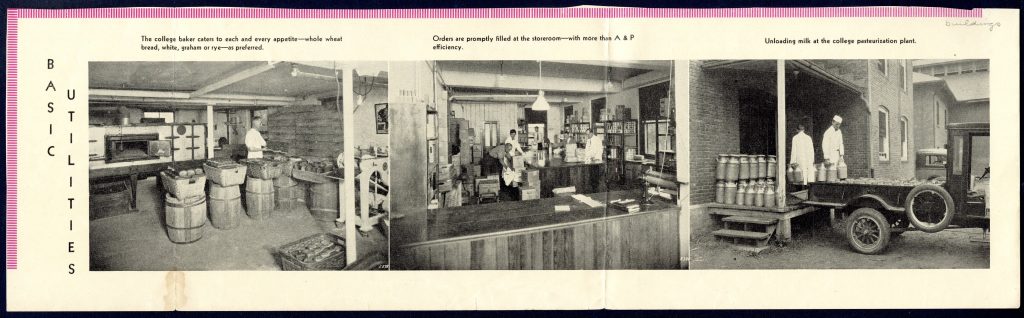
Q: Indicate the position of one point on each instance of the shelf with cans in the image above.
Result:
(578, 131)
(746, 180)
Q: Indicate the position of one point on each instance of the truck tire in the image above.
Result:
(930, 192)
(867, 231)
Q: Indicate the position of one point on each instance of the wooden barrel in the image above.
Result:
(259, 198)
(225, 206)
(287, 194)
(323, 201)
(185, 218)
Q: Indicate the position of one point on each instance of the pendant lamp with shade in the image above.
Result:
(541, 103)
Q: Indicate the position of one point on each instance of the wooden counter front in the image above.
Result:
(531, 235)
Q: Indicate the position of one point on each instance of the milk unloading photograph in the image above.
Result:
(816, 164)
(510, 165)
(238, 165)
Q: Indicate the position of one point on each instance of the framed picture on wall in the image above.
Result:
(381, 117)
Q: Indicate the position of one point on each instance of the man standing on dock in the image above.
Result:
(802, 155)
(832, 143)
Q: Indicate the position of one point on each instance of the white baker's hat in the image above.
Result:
(838, 119)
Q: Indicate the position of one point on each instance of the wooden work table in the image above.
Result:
(532, 235)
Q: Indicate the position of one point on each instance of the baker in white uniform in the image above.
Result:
(254, 141)
(832, 142)
(802, 154)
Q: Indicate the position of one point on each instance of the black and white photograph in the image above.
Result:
(535, 165)
(236, 165)
(839, 164)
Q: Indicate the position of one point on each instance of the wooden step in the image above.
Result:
(751, 220)
(742, 234)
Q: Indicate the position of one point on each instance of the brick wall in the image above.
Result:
(314, 131)
(714, 128)
(850, 70)
(885, 91)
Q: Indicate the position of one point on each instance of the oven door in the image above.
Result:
(123, 148)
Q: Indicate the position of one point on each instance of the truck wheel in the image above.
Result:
(929, 208)
(867, 231)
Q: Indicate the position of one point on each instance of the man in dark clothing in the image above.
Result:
(497, 157)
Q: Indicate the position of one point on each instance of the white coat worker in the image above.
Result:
(802, 154)
(254, 141)
(516, 148)
(594, 149)
(832, 143)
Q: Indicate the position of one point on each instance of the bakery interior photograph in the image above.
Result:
(238, 165)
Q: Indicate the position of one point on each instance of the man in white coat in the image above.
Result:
(516, 148)
(254, 141)
(594, 150)
(832, 143)
(802, 154)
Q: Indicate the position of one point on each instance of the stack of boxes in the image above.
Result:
(530, 188)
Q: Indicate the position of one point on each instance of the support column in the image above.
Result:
(681, 97)
(780, 134)
(209, 131)
(347, 187)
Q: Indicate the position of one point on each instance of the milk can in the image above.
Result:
(720, 192)
(730, 192)
(741, 193)
(723, 161)
(744, 167)
(798, 174)
(772, 168)
(842, 169)
(762, 166)
(789, 173)
(732, 168)
(820, 172)
(769, 197)
(748, 200)
(831, 174)
(759, 195)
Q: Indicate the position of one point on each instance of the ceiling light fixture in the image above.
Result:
(541, 103)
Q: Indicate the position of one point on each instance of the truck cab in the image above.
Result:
(967, 171)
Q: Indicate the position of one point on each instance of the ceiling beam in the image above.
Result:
(203, 102)
(529, 83)
(363, 68)
(553, 98)
(126, 93)
(645, 79)
(234, 78)
(643, 65)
